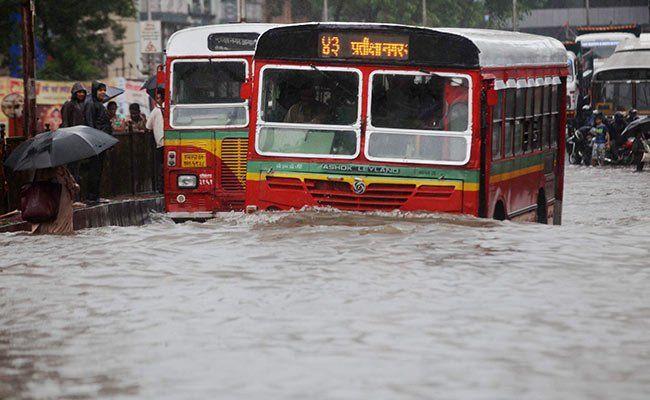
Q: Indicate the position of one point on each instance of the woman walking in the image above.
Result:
(63, 224)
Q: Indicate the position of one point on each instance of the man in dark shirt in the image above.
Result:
(96, 117)
(73, 110)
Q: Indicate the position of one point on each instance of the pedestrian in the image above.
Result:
(117, 123)
(64, 222)
(601, 140)
(73, 114)
(632, 115)
(617, 128)
(155, 124)
(96, 117)
(72, 111)
(136, 121)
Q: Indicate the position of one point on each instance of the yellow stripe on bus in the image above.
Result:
(457, 184)
(515, 174)
(212, 146)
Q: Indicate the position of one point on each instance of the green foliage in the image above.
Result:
(75, 35)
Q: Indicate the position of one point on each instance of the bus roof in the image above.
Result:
(439, 47)
(194, 41)
(630, 54)
(604, 37)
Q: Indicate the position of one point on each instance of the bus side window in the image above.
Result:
(519, 125)
(510, 120)
(537, 124)
(546, 122)
(555, 101)
(497, 124)
(528, 125)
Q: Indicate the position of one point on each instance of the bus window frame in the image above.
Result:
(467, 134)
(172, 106)
(356, 127)
(500, 121)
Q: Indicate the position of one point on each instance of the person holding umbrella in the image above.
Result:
(47, 202)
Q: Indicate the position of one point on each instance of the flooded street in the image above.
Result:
(329, 305)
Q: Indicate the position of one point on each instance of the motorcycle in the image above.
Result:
(578, 146)
(638, 131)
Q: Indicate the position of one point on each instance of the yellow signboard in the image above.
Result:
(193, 160)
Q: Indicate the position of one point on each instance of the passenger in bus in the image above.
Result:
(307, 110)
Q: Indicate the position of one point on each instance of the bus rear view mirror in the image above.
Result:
(246, 90)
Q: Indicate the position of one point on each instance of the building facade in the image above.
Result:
(560, 18)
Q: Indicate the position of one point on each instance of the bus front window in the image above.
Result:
(420, 118)
(309, 111)
(205, 94)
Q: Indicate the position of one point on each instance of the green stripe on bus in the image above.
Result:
(363, 169)
(521, 162)
(176, 135)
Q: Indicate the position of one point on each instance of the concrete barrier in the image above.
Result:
(118, 212)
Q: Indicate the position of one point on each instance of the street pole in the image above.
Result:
(587, 11)
(424, 12)
(149, 55)
(241, 11)
(29, 66)
(325, 11)
(514, 15)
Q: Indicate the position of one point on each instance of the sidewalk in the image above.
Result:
(121, 211)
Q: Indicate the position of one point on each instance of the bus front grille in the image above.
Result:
(233, 164)
(378, 196)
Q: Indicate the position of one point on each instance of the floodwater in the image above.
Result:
(329, 305)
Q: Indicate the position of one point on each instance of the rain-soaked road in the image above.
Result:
(326, 305)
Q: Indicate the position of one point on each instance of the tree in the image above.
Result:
(74, 35)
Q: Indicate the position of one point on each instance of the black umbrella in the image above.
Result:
(150, 85)
(111, 93)
(59, 147)
(637, 125)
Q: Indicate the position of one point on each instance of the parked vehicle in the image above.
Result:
(579, 146)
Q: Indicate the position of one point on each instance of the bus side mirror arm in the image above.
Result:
(246, 90)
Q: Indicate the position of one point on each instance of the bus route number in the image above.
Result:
(193, 160)
(330, 46)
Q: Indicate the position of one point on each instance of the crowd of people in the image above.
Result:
(90, 110)
(609, 134)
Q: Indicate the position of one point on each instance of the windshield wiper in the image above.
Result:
(337, 82)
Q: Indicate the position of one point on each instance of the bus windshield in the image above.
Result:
(206, 94)
(413, 114)
(309, 111)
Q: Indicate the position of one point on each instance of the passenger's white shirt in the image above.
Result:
(155, 123)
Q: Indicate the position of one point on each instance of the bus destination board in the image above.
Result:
(240, 41)
(374, 46)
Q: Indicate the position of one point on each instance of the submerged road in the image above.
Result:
(329, 305)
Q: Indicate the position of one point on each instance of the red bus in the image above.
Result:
(387, 117)
(206, 120)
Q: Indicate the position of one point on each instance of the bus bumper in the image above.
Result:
(187, 216)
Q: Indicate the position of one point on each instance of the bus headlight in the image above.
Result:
(187, 181)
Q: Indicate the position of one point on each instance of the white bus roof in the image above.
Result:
(194, 41)
(480, 47)
(604, 37)
(507, 48)
(630, 54)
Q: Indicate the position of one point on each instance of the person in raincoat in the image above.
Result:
(73, 110)
(97, 117)
(63, 224)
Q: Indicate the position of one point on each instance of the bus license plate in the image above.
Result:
(193, 160)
